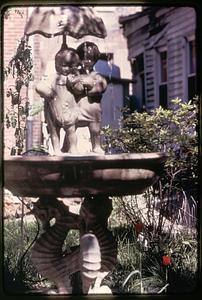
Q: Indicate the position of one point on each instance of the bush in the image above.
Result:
(165, 216)
(173, 131)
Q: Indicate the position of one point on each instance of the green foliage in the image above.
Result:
(19, 273)
(72, 240)
(21, 276)
(162, 234)
(20, 68)
(134, 255)
(173, 131)
(36, 107)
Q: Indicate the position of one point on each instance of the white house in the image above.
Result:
(162, 53)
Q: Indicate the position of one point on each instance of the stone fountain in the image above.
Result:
(94, 178)
(72, 99)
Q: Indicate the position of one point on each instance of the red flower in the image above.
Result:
(166, 260)
(139, 227)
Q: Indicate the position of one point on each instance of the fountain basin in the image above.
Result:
(80, 175)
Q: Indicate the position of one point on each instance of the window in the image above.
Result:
(192, 57)
(138, 64)
(138, 72)
(163, 62)
(192, 89)
(163, 94)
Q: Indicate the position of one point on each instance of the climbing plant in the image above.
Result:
(20, 68)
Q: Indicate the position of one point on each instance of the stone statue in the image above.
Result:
(94, 258)
(72, 97)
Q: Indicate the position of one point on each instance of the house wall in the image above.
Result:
(179, 26)
(112, 103)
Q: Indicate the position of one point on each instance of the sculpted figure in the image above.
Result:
(88, 88)
(61, 109)
(72, 97)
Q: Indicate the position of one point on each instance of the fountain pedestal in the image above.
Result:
(93, 177)
(72, 98)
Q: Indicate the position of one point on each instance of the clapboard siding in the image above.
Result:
(133, 50)
(174, 64)
(174, 54)
(180, 24)
(180, 14)
(164, 11)
(136, 45)
(175, 68)
(176, 75)
(137, 37)
(184, 33)
(137, 23)
(176, 94)
(181, 29)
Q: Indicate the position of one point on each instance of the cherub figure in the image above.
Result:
(61, 109)
(88, 88)
(72, 97)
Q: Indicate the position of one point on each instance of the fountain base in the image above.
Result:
(94, 177)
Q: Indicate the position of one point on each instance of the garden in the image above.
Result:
(156, 232)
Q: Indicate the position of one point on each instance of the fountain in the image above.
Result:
(72, 99)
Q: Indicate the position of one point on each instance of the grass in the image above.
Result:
(139, 268)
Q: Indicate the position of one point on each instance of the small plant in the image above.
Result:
(20, 275)
(18, 269)
(156, 254)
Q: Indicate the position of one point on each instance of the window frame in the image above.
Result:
(139, 79)
(188, 74)
(160, 83)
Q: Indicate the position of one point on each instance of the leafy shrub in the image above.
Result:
(173, 131)
(167, 210)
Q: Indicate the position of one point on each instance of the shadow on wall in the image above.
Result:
(107, 69)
